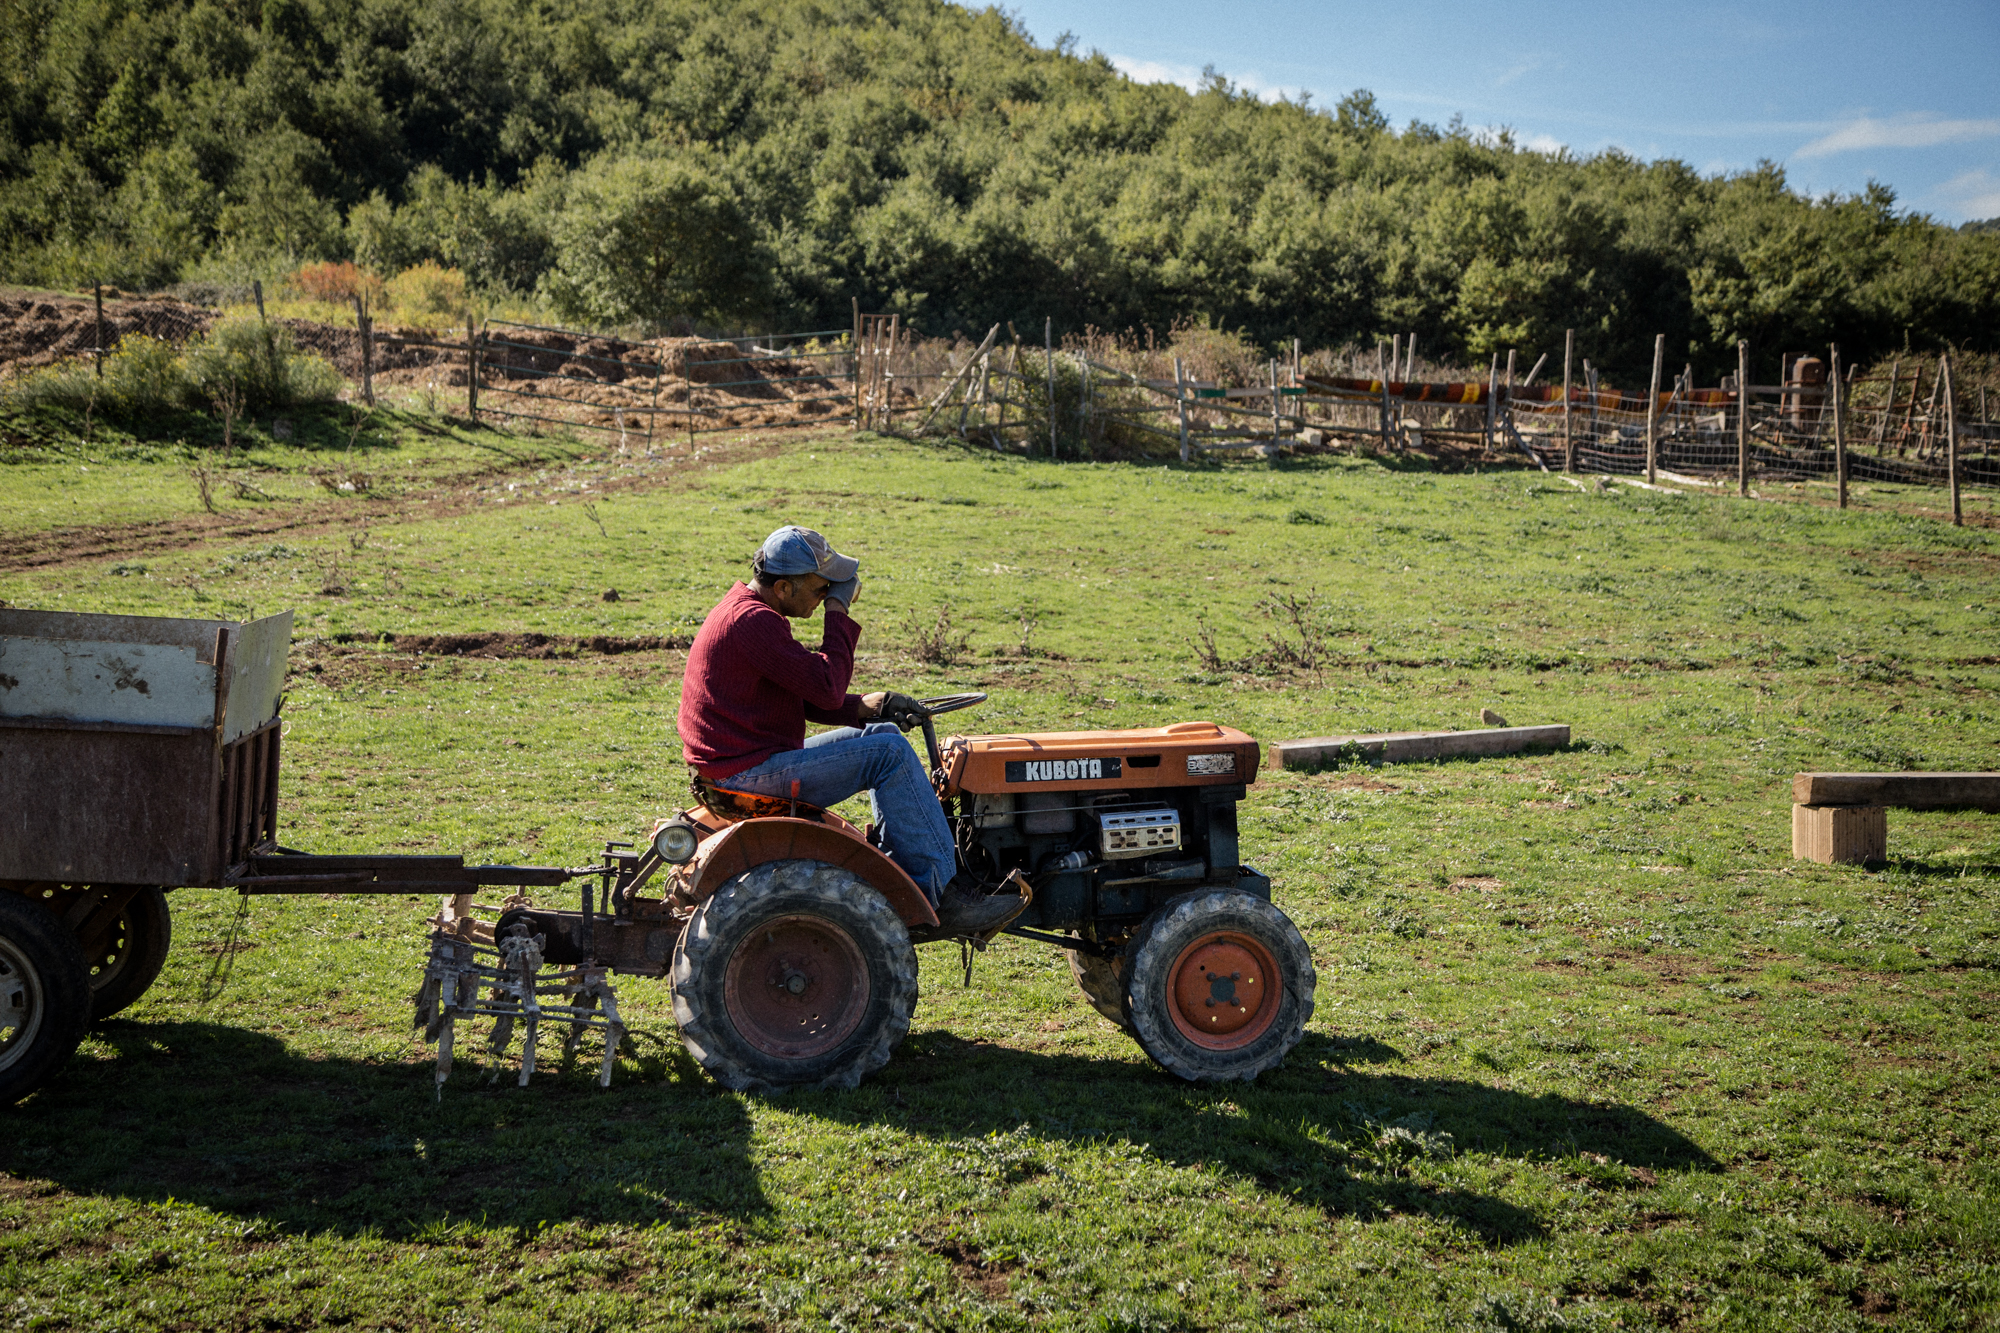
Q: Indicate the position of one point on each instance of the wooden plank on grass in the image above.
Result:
(1397, 747)
(1905, 791)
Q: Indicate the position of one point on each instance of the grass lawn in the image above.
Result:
(1591, 1050)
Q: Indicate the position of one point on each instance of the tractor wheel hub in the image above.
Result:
(1222, 989)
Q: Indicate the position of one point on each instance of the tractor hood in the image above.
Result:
(1186, 754)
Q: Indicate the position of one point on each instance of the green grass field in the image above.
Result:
(1591, 1050)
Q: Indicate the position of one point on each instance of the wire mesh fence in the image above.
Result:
(1906, 425)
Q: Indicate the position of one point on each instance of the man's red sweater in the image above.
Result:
(751, 687)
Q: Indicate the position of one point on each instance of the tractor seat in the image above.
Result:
(734, 806)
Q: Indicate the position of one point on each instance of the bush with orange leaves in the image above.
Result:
(337, 284)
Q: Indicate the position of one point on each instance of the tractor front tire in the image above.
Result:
(129, 961)
(795, 974)
(1218, 986)
(1102, 982)
(44, 996)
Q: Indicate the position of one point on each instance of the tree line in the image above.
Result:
(724, 162)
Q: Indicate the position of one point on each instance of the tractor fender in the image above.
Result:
(752, 842)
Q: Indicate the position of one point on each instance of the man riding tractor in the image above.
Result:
(750, 688)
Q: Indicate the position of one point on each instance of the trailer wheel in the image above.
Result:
(130, 959)
(794, 974)
(1218, 986)
(44, 996)
(1102, 982)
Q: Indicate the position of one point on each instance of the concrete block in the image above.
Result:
(1840, 834)
(1407, 746)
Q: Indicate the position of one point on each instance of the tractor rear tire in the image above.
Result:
(795, 974)
(44, 996)
(1102, 982)
(1218, 986)
(130, 961)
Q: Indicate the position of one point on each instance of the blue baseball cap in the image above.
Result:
(795, 550)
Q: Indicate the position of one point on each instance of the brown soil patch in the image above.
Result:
(989, 1280)
(536, 647)
(1362, 782)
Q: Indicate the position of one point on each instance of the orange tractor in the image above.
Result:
(789, 937)
(140, 755)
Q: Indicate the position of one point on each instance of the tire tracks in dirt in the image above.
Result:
(55, 548)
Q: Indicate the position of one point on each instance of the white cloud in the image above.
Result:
(1973, 195)
(1910, 131)
(1540, 143)
(1522, 68)
(1154, 71)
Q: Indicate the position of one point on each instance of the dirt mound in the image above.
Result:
(612, 384)
(40, 330)
(535, 647)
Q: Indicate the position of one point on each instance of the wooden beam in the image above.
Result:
(1397, 747)
(1905, 791)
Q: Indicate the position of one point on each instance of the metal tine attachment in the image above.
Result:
(510, 975)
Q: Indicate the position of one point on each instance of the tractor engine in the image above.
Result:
(1105, 825)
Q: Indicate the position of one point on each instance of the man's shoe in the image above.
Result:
(964, 912)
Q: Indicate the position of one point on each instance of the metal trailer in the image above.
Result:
(140, 754)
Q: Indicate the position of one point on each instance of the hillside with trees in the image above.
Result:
(722, 162)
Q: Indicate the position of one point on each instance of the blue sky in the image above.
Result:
(1839, 93)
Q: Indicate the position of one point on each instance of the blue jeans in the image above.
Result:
(874, 758)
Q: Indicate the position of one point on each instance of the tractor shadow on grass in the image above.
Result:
(1333, 1129)
(233, 1120)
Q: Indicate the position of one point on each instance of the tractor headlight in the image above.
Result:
(675, 843)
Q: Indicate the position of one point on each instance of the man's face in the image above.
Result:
(798, 595)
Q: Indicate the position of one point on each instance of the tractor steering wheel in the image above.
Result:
(926, 709)
(951, 703)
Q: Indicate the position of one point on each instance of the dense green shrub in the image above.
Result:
(243, 364)
(731, 161)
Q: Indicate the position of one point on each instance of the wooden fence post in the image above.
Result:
(1274, 402)
(1082, 402)
(1951, 438)
(1839, 423)
(1180, 399)
(1409, 356)
(1049, 363)
(1382, 412)
(100, 332)
(1569, 436)
(1590, 387)
(659, 372)
(1492, 397)
(1653, 411)
(1506, 414)
(367, 350)
(472, 369)
(855, 375)
(1008, 378)
(1743, 418)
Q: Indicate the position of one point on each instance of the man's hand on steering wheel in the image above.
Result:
(901, 709)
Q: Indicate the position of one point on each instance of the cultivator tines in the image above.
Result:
(515, 990)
